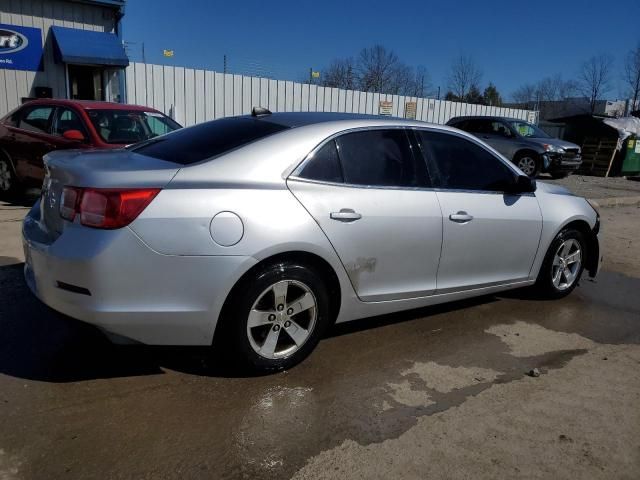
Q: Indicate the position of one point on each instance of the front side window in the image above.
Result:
(36, 119)
(66, 119)
(380, 158)
(460, 164)
(129, 126)
(324, 165)
(500, 129)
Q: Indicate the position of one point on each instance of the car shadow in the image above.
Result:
(26, 199)
(37, 343)
(370, 323)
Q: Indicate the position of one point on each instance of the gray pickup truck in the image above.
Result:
(531, 149)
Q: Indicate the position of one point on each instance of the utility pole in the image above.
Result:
(224, 68)
(144, 58)
(310, 75)
(438, 92)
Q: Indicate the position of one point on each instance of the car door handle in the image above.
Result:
(460, 217)
(345, 215)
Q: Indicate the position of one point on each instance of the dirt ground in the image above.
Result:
(441, 392)
(598, 187)
(580, 421)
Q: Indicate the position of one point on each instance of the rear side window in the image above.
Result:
(36, 119)
(477, 126)
(380, 158)
(460, 164)
(207, 140)
(324, 165)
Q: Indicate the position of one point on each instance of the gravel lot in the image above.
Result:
(441, 392)
(598, 187)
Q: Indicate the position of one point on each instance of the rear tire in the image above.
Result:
(563, 265)
(528, 162)
(275, 319)
(9, 185)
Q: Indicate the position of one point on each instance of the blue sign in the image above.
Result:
(20, 47)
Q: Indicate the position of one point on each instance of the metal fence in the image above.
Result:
(193, 96)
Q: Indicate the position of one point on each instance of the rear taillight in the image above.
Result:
(69, 203)
(105, 207)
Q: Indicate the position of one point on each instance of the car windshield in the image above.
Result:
(528, 130)
(130, 126)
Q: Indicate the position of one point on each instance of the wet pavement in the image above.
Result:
(74, 406)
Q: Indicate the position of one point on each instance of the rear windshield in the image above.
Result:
(207, 140)
(130, 126)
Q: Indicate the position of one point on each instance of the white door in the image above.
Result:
(489, 237)
(372, 200)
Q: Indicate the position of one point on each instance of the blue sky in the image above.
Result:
(514, 42)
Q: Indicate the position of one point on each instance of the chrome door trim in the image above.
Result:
(424, 189)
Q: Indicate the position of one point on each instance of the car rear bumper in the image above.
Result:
(111, 279)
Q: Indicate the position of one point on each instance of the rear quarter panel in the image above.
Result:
(178, 222)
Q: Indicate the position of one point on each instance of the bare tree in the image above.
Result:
(546, 90)
(595, 78)
(464, 76)
(526, 94)
(413, 82)
(376, 67)
(340, 74)
(632, 75)
(378, 70)
(421, 85)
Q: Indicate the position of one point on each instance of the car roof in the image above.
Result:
(90, 104)
(486, 117)
(302, 119)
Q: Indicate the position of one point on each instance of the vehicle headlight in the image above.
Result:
(552, 148)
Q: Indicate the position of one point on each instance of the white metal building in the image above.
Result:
(61, 49)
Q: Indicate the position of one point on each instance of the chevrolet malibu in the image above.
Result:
(261, 231)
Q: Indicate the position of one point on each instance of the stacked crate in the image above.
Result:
(597, 156)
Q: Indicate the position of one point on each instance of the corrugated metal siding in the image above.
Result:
(42, 14)
(193, 96)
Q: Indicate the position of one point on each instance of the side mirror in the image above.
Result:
(522, 184)
(74, 135)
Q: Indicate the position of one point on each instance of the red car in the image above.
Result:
(40, 126)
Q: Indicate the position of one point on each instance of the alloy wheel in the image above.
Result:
(5, 176)
(527, 165)
(282, 319)
(566, 264)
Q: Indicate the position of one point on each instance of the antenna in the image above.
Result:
(260, 112)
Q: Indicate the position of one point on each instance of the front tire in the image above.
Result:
(528, 162)
(276, 318)
(563, 264)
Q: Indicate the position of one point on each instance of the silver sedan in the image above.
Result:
(263, 230)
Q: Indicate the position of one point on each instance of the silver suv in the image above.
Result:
(530, 148)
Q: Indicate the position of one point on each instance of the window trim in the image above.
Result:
(295, 175)
(475, 141)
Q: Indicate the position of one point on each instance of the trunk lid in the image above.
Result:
(97, 169)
